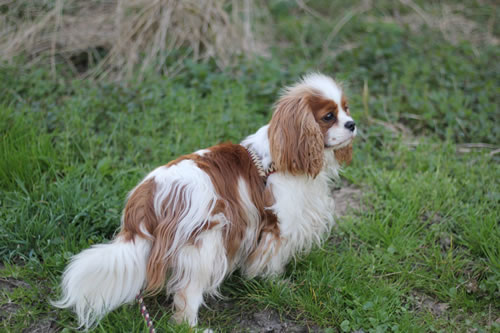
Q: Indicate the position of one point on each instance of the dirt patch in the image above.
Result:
(268, 320)
(7, 311)
(46, 325)
(240, 318)
(347, 198)
(431, 218)
(9, 308)
(423, 302)
(7, 285)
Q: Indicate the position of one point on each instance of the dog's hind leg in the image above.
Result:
(199, 269)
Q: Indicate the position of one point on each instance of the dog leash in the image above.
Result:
(145, 313)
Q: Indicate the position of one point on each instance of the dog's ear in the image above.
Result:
(295, 138)
(344, 155)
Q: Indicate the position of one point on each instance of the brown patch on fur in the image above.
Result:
(344, 155)
(164, 234)
(270, 224)
(344, 104)
(269, 199)
(295, 137)
(210, 225)
(320, 107)
(182, 158)
(226, 164)
(139, 210)
(220, 207)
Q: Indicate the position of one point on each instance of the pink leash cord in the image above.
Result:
(145, 312)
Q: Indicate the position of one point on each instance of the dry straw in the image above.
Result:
(135, 35)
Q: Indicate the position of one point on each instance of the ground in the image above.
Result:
(417, 242)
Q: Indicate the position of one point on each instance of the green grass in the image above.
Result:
(422, 254)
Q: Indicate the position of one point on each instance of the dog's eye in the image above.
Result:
(329, 117)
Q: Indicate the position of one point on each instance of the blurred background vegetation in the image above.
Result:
(446, 49)
(94, 94)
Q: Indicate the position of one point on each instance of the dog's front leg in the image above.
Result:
(187, 302)
(268, 258)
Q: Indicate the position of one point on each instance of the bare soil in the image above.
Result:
(269, 320)
(347, 198)
(424, 302)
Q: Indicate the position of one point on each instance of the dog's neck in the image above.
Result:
(258, 143)
(263, 172)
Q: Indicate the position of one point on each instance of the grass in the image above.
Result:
(422, 254)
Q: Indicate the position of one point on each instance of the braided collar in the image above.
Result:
(257, 161)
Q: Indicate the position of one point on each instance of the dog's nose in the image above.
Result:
(350, 125)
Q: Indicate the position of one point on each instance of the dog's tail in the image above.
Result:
(103, 277)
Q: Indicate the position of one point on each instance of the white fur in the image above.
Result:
(304, 209)
(259, 143)
(202, 152)
(325, 84)
(199, 269)
(338, 135)
(104, 277)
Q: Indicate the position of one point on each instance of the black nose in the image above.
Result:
(350, 125)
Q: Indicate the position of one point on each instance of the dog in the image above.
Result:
(251, 206)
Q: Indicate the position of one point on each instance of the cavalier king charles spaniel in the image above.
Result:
(251, 206)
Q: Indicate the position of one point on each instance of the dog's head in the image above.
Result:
(310, 119)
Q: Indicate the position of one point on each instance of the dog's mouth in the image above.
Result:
(339, 145)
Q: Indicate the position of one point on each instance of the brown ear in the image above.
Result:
(295, 137)
(344, 155)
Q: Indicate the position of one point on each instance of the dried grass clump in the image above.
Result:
(118, 37)
(451, 21)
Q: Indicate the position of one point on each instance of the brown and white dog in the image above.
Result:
(252, 206)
